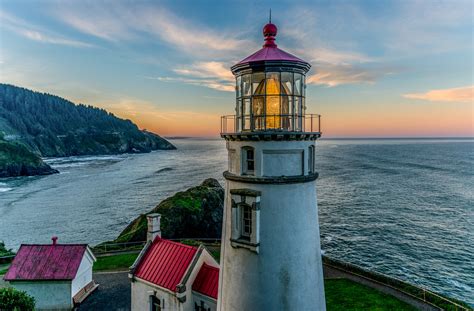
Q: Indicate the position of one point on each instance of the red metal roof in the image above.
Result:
(165, 263)
(270, 51)
(46, 262)
(207, 281)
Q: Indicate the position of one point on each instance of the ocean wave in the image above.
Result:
(78, 161)
(4, 187)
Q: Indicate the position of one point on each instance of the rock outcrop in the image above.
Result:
(194, 213)
(17, 160)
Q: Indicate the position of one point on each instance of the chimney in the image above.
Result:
(55, 240)
(154, 227)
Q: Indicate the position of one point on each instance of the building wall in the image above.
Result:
(141, 292)
(272, 158)
(204, 258)
(83, 275)
(209, 302)
(286, 272)
(49, 295)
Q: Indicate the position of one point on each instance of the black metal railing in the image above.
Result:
(231, 124)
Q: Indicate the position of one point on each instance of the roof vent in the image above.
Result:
(55, 240)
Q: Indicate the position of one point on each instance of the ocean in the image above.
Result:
(402, 207)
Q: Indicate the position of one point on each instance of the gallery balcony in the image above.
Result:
(277, 126)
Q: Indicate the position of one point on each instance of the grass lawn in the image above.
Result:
(341, 294)
(346, 295)
(115, 262)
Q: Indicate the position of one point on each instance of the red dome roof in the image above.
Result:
(270, 51)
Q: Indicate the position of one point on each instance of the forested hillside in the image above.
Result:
(52, 126)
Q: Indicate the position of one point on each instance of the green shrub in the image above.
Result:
(15, 300)
(4, 251)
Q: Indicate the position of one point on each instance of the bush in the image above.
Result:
(4, 251)
(15, 300)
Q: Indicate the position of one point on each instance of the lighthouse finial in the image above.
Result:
(270, 19)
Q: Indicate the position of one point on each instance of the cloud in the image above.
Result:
(460, 94)
(132, 22)
(34, 33)
(214, 75)
(335, 57)
(209, 83)
(334, 75)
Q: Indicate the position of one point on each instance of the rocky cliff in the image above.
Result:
(194, 213)
(17, 160)
(51, 126)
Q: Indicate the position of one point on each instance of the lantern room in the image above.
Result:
(270, 92)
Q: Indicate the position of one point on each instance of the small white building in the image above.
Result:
(173, 276)
(56, 275)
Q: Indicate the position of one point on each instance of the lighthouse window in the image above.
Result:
(249, 160)
(246, 114)
(246, 221)
(238, 86)
(287, 83)
(258, 83)
(156, 304)
(273, 83)
(257, 112)
(246, 85)
(245, 215)
(298, 84)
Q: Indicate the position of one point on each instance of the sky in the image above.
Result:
(379, 68)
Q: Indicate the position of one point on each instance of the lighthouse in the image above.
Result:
(270, 252)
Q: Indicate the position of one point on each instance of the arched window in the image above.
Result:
(248, 161)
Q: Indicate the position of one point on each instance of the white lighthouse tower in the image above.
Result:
(270, 255)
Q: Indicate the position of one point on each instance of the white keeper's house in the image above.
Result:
(172, 276)
(58, 276)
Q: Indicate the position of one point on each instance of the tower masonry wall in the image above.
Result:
(272, 158)
(286, 271)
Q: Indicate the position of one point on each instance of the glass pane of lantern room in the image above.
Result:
(273, 83)
(258, 83)
(238, 86)
(298, 84)
(299, 114)
(287, 83)
(272, 105)
(246, 85)
(238, 111)
(257, 112)
(273, 112)
(246, 114)
(286, 114)
(303, 86)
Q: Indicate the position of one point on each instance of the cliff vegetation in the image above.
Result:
(17, 160)
(51, 126)
(194, 213)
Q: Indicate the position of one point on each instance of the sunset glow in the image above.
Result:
(382, 71)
